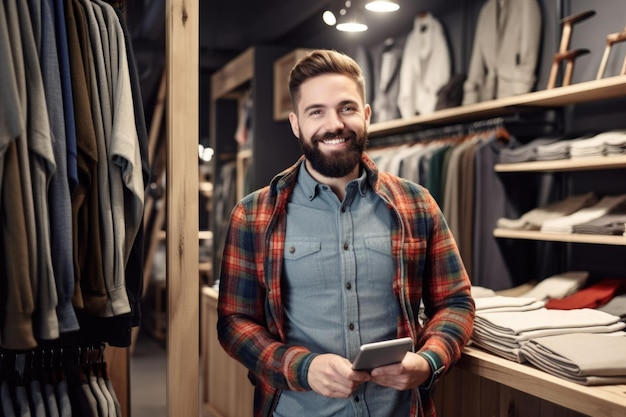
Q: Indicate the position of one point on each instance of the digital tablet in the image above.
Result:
(373, 355)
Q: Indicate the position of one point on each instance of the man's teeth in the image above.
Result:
(334, 141)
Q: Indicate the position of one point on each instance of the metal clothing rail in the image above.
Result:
(521, 125)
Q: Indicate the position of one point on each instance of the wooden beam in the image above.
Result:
(182, 69)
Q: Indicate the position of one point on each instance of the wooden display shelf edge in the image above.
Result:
(202, 234)
(233, 75)
(206, 188)
(603, 89)
(565, 237)
(210, 292)
(596, 401)
(579, 164)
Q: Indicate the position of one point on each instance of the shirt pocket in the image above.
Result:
(304, 264)
(380, 266)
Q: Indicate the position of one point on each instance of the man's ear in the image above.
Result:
(368, 114)
(293, 121)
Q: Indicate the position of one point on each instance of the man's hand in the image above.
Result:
(412, 372)
(332, 376)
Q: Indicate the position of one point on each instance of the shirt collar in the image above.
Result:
(311, 186)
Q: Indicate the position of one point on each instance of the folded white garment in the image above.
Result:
(536, 304)
(566, 223)
(482, 292)
(594, 144)
(612, 137)
(499, 301)
(559, 285)
(516, 322)
(513, 340)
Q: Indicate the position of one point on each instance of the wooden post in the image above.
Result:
(182, 68)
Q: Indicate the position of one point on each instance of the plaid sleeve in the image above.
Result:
(432, 271)
(446, 291)
(243, 325)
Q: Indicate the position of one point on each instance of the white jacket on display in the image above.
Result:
(504, 56)
(426, 66)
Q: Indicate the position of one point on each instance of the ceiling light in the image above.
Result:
(352, 27)
(329, 18)
(382, 6)
(351, 20)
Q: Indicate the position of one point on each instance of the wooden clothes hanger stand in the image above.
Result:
(611, 40)
(564, 54)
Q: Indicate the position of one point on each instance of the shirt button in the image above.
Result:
(292, 250)
(346, 246)
(343, 209)
(351, 326)
(348, 286)
(356, 399)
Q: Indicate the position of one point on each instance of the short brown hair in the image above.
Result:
(319, 62)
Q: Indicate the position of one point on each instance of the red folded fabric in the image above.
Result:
(593, 296)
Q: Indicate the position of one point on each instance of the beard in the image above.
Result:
(335, 164)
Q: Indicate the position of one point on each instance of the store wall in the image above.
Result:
(459, 19)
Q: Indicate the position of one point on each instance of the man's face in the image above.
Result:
(331, 124)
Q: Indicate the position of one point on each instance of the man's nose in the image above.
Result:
(334, 121)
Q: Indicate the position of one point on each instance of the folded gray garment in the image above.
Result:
(533, 219)
(566, 224)
(616, 307)
(502, 351)
(524, 153)
(588, 359)
(612, 223)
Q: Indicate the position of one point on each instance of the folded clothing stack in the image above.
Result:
(533, 219)
(575, 357)
(566, 224)
(524, 153)
(586, 148)
(594, 295)
(503, 332)
(612, 223)
(558, 286)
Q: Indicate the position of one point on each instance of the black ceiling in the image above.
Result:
(228, 27)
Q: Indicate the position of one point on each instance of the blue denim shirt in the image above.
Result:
(338, 289)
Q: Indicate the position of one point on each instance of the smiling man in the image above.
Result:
(333, 254)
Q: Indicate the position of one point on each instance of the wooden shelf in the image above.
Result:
(565, 237)
(206, 188)
(202, 234)
(205, 234)
(233, 75)
(579, 164)
(603, 89)
(597, 401)
(282, 67)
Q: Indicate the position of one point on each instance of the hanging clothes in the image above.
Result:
(381, 63)
(57, 382)
(505, 51)
(456, 165)
(426, 66)
(73, 171)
